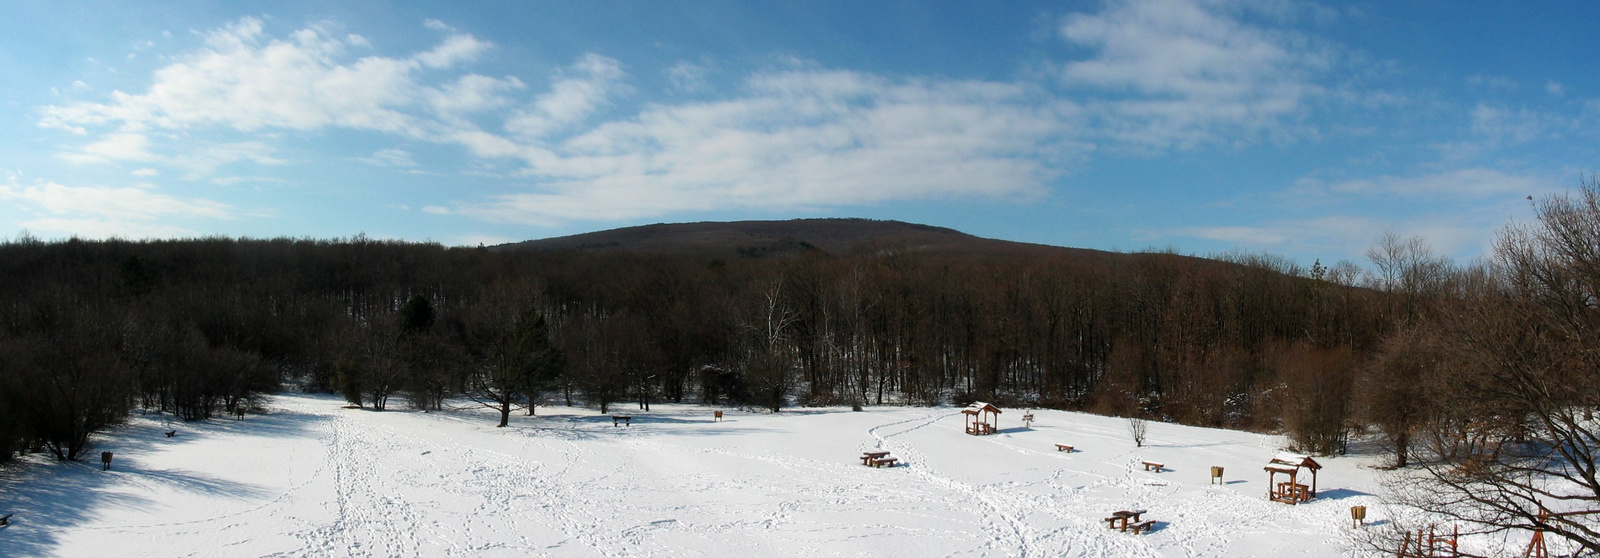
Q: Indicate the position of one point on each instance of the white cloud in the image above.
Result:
(247, 81)
(1236, 235)
(390, 158)
(472, 93)
(145, 173)
(1554, 88)
(1456, 184)
(455, 49)
(1185, 72)
(113, 147)
(1347, 237)
(203, 159)
(800, 139)
(1492, 82)
(687, 76)
(1516, 126)
(104, 228)
(109, 203)
(575, 94)
(483, 239)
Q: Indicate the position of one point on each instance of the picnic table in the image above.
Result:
(1119, 519)
(1292, 492)
(867, 457)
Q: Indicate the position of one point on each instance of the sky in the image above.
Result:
(1302, 129)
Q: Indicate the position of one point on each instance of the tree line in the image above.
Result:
(198, 327)
(1472, 373)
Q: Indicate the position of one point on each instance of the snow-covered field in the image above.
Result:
(311, 478)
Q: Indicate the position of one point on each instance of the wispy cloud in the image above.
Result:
(1455, 184)
(688, 77)
(390, 158)
(102, 211)
(247, 81)
(1160, 75)
(1184, 72)
(1498, 124)
(575, 94)
(796, 139)
(1337, 235)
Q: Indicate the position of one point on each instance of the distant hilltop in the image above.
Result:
(835, 237)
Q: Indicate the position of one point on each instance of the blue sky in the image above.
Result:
(1298, 128)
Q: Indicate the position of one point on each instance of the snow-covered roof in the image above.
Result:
(979, 406)
(1295, 459)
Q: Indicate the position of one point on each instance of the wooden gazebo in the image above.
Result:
(982, 418)
(1291, 491)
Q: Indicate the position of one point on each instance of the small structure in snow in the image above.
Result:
(1291, 491)
(981, 418)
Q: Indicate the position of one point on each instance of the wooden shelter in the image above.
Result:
(982, 418)
(1291, 491)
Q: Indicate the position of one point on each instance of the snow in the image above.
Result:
(312, 478)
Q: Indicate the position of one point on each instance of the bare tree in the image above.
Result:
(1137, 427)
(768, 362)
(1394, 392)
(1519, 444)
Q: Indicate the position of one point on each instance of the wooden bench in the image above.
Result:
(6, 520)
(883, 462)
(1064, 447)
(171, 433)
(1153, 466)
(868, 456)
(1143, 526)
(621, 419)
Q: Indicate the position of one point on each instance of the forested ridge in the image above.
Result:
(201, 327)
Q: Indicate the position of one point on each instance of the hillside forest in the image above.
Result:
(1484, 370)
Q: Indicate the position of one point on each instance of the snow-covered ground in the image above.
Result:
(311, 478)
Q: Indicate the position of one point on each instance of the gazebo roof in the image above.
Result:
(979, 407)
(1296, 460)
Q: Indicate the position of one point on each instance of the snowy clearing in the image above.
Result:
(313, 478)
